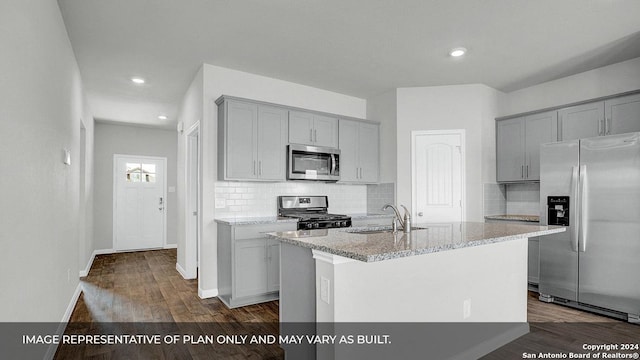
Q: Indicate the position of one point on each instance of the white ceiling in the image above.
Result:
(356, 47)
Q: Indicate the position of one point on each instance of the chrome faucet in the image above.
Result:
(406, 223)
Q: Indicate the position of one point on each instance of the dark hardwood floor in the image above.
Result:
(141, 292)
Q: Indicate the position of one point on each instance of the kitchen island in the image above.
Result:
(445, 273)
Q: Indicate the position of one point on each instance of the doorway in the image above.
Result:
(437, 175)
(139, 202)
(192, 203)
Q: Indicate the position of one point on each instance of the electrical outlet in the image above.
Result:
(325, 289)
(221, 203)
(466, 309)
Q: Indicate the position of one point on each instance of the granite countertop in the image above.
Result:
(528, 218)
(387, 245)
(256, 220)
(279, 219)
(370, 216)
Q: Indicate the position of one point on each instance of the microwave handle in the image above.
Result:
(333, 164)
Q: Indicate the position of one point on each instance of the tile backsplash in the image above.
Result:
(254, 199)
(379, 195)
(494, 199)
(523, 199)
(512, 199)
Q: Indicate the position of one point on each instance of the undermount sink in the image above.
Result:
(377, 230)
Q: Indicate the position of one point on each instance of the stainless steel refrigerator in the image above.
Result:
(592, 186)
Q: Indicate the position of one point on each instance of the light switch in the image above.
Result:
(67, 156)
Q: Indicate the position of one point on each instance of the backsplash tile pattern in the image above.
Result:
(494, 199)
(256, 199)
(378, 195)
(523, 199)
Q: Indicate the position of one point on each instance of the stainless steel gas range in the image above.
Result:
(311, 212)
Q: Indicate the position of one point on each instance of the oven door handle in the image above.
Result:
(333, 164)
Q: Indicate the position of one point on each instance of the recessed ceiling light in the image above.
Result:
(138, 80)
(162, 117)
(457, 52)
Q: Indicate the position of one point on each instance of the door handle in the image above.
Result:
(420, 213)
(607, 126)
(522, 171)
(576, 226)
(527, 171)
(315, 135)
(254, 167)
(584, 214)
(600, 127)
(260, 167)
(360, 173)
(311, 135)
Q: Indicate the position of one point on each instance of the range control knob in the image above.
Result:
(316, 225)
(344, 223)
(309, 226)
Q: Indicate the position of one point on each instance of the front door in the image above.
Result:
(139, 202)
(437, 176)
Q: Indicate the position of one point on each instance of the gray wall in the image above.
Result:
(41, 111)
(113, 139)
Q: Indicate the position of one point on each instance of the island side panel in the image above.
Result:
(489, 281)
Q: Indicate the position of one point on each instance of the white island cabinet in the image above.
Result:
(457, 290)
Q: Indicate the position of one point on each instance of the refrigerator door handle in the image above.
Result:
(574, 230)
(583, 208)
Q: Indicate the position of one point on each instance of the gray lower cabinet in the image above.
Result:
(249, 263)
(313, 129)
(252, 141)
(518, 143)
(359, 152)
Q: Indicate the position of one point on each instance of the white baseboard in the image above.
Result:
(51, 351)
(181, 271)
(85, 272)
(205, 294)
(171, 246)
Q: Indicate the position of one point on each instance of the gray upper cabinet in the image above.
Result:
(313, 129)
(510, 149)
(622, 114)
(359, 151)
(518, 145)
(539, 129)
(252, 141)
(581, 121)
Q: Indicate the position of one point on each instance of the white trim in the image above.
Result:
(86, 270)
(114, 196)
(183, 272)
(463, 195)
(192, 251)
(205, 294)
(51, 350)
(330, 258)
(170, 246)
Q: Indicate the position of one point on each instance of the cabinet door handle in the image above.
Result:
(527, 171)
(607, 126)
(260, 167)
(360, 173)
(315, 135)
(599, 127)
(311, 135)
(254, 167)
(522, 171)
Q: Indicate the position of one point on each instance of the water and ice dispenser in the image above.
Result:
(558, 210)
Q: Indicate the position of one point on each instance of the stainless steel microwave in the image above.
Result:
(313, 163)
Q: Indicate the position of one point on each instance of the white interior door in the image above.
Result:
(438, 172)
(140, 202)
